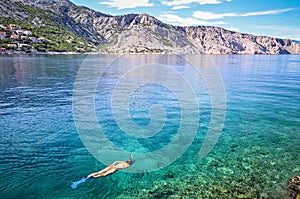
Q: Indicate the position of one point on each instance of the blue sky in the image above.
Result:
(276, 18)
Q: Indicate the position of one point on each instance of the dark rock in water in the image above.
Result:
(293, 186)
(168, 175)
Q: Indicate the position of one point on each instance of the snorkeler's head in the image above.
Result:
(130, 161)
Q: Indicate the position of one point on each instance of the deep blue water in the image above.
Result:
(257, 151)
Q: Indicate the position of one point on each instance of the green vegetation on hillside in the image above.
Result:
(56, 39)
(47, 25)
(60, 40)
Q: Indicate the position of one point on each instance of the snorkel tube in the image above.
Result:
(133, 160)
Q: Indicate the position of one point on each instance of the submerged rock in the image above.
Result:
(293, 186)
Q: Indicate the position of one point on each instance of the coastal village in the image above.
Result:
(14, 39)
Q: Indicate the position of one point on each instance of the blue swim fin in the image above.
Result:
(75, 184)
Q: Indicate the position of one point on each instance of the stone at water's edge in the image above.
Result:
(293, 186)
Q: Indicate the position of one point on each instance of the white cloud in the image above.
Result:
(177, 20)
(180, 7)
(185, 2)
(203, 2)
(268, 12)
(234, 29)
(123, 4)
(210, 15)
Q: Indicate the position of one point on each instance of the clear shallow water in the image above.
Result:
(41, 152)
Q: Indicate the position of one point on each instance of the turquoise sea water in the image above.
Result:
(258, 150)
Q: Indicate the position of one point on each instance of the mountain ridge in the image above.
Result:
(140, 33)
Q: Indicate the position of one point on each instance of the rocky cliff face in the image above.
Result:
(141, 33)
(213, 40)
